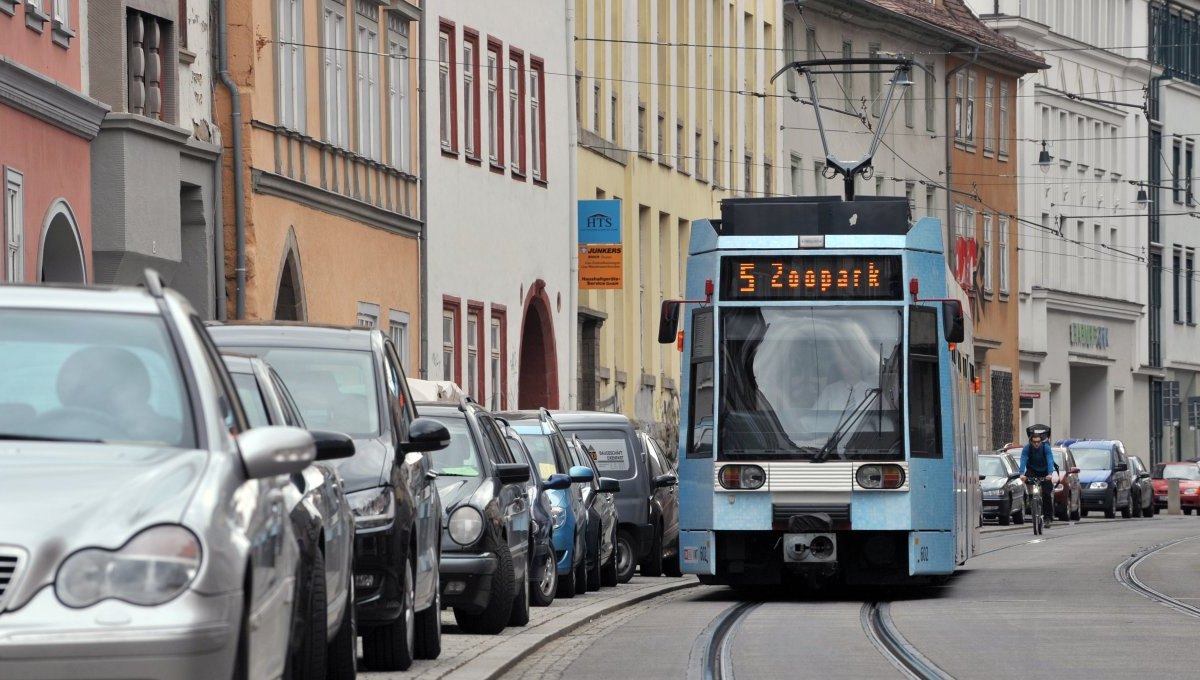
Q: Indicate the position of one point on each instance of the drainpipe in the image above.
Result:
(572, 221)
(423, 192)
(239, 196)
(950, 226)
(220, 313)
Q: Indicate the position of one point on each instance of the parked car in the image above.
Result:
(549, 448)
(1003, 490)
(1104, 475)
(620, 456)
(664, 510)
(1142, 490)
(350, 380)
(142, 518)
(602, 518)
(485, 535)
(543, 571)
(1068, 492)
(1188, 474)
(324, 636)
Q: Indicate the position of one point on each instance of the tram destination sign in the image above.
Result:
(812, 277)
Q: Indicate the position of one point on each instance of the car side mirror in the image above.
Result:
(1014, 475)
(426, 434)
(332, 445)
(558, 482)
(609, 485)
(512, 473)
(668, 321)
(579, 473)
(1143, 475)
(665, 480)
(1122, 467)
(953, 327)
(982, 477)
(274, 450)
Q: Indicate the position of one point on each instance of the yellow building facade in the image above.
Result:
(674, 113)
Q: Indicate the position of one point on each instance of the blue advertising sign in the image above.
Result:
(599, 221)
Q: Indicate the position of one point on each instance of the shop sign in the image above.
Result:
(1087, 335)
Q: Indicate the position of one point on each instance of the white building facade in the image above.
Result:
(498, 292)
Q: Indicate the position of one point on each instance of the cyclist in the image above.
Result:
(1038, 461)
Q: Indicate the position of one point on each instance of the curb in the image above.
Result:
(1028, 527)
(498, 660)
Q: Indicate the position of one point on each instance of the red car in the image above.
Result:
(1188, 474)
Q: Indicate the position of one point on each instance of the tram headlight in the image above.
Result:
(742, 477)
(880, 476)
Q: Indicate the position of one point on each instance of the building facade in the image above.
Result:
(674, 112)
(47, 125)
(498, 258)
(322, 163)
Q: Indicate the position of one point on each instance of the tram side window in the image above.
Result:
(925, 407)
(703, 392)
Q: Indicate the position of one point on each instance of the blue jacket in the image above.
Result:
(1051, 466)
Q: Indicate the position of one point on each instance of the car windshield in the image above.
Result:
(992, 467)
(1188, 471)
(251, 397)
(91, 376)
(612, 451)
(1092, 459)
(541, 450)
(1060, 459)
(460, 458)
(815, 382)
(334, 389)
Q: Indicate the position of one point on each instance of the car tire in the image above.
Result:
(308, 659)
(594, 576)
(671, 566)
(626, 556)
(1019, 518)
(566, 584)
(1135, 506)
(1005, 518)
(1111, 511)
(652, 565)
(1083, 512)
(495, 615)
(1077, 513)
(429, 624)
(1062, 515)
(1127, 511)
(547, 587)
(1187, 511)
(581, 575)
(608, 571)
(520, 608)
(392, 646)
(342, 655)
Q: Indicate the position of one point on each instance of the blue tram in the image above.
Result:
(827, 395)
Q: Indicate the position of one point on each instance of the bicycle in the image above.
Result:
(1035, 485)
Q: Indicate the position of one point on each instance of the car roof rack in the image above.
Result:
(153, 282)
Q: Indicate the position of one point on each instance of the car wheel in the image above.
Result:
(543, 594)
(520, 608)
(593, 572)
(1187, 511)
(652, 565)
(495, 615)
(1111, 511)
(581, 575)
(1127, 511)
(608, 571)
(392, 647)
(1077, 512)
(626, 562)
(429, 624)
(1005, 518)
(566, 583)
(1136, 506)
(308, 659)
(671, 566)
(1083, 512)
(342, 655)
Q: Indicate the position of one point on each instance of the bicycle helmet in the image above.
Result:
(1042, 431)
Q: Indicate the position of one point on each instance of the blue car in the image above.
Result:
(1104, 476)
(548, 447)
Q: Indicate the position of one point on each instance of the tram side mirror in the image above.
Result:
(668, 321)
(952, 321)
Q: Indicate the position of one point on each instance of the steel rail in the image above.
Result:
(877, 623)
(1126, 575)
(712, 654)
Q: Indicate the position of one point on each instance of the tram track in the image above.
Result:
(1126, 575)
(877, 623)
(712, 655)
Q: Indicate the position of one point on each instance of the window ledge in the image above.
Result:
(701, 180)
(665, 164)
(34, 19)
(683, 171)
(61, 35)
(9, 7)
(474, 160)
(646, 155)
(449, 153)
(1082, 167)
(1002, 157)
(518, 175)
(989, 152)
(538, 181)
(497, 168)
(1003, 297)
(1099, 172)
(186, 56)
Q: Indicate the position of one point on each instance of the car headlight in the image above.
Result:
(372, 507)
(993, 493)
(1099, 485)
(465, 525)
(153, 567)
(1190, 492)
(1058, 487)
(558, 516)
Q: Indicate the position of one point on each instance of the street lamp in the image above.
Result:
(1142, 199)
(1044, 159)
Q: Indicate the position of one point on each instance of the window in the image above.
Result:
(789, 52)
(818, 178)
(1002, 254)
(498, 351)
(989, 125)
(930, 109)
(614, 110)
(596, 108)
(398, 332)
(985, 252)
(537, 116)
(748, 176)
(847, 78)
(291, 76)
(702, 404)
(876, 82)
(367, 89)
(810, 43)
(398, 88)
(969, 131)
(474, 386)
(766, 176)
(930, 200)
(148, 40)
(495, 77)
(910, 189)
(642, 127)
(62, 16)
(960, 86)
(924, 398)
(516, 109)
(368, 315)
(662, 137)
(910, 112)
(1004, 120)
(1189, 283)
(1176, 184)
(471, 93)
(716, 162)
(1177, 284)
(1188, 158)
(335, 76)
(447, 81)
(450, 332)
(797, 179)
(14, 226)
(696, 161)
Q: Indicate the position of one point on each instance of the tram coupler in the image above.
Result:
(810, 548)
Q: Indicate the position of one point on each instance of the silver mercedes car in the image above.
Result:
(143, 529)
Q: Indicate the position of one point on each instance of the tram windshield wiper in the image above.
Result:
(851, 419)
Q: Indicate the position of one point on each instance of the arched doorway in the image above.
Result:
(60, 258)
(538, 379)
(289, 301)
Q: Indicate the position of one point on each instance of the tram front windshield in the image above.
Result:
(811, 383)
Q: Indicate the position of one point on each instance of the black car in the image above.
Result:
(663, 557)
(350, 380)
(1003, 490)
(601, 507)
(1142, 489)
(543, 571)
(485, 535)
